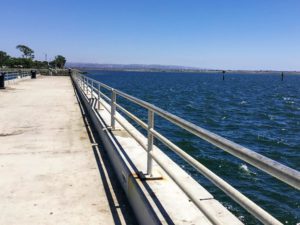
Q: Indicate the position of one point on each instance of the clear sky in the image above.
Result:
(221, 34)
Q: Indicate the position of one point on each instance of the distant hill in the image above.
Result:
(128, 66)
(162, 68)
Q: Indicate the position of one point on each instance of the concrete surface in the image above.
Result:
(50, 171)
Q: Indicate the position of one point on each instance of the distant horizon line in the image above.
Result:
(93, 65)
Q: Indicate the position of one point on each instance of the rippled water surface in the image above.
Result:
(260, 112)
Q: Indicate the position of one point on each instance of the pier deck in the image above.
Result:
(48, 170)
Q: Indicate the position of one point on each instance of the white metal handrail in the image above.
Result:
(275, 169)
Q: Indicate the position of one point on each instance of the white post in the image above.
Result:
(92, 88)
(99, 96)
(150, 141)
(113, 109)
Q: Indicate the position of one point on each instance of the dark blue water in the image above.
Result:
(260, 112)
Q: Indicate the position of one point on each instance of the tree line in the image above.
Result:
(27, 60)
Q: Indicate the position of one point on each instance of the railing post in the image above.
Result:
(99, 95)
(150, 141)
(92, 88)
(83, 85)
(87, 87)
(113, 109)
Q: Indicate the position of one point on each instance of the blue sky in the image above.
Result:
(233, 34)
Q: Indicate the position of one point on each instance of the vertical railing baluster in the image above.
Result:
(83, 85)
(99, 96)
(88, 84)
(92, 88)
(83, 80)
(87, 87)
(113, 109)
(150, 141)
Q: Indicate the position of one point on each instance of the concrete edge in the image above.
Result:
(141, 207)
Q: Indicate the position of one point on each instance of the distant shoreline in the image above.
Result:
(189, 71)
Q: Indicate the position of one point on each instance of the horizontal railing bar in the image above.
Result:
(10, 76)
(278, 170)
(139, 141)
(101, 85)
(129, 131)
(93, 88)
(105, 86)
(98, 82)
(106, 107)
(237, 196)
(245, 202)
(173, 176)
(105, 96)
(186, 189)
(136, 100)
(140, 122)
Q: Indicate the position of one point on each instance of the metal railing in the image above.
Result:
(92, 88)
(12, 76)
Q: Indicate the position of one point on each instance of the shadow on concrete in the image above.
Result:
(118, 203)
(162, 210)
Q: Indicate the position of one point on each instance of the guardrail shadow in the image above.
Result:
(162, 210)
(118, 203)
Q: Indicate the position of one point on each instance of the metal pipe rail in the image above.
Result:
(13, 76)
(275, 169)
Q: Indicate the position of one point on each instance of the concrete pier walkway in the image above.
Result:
(50, 170)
